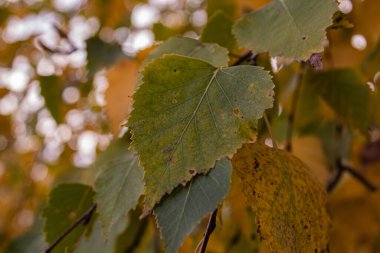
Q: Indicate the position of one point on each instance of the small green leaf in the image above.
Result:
(219, 30)
(290, 205)
(95, 243)
(185, 207)
(67, 203)
(229, 7)
(119, 184)
(346, 91)
(188, 114)
(101, 54)
(290, 28)
(51, 92)
(211, 53)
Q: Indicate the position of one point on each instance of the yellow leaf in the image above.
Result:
(288, 202)
(310, 151)
(122, 79)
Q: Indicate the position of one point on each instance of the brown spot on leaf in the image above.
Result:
(237, 111)
(192, 172)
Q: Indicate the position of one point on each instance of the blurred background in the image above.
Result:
(58, 59)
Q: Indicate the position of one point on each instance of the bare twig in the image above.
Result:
(210, 228)
(84, 219)
(64, 36)
(247, 56)
(343, 168)
(270, 131)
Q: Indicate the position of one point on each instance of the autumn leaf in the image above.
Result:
(288, 202)
(122, 78)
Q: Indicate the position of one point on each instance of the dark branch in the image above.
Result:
(343, 168)
(210, 228)
(85, 219)
(246, 57)
(64, 36)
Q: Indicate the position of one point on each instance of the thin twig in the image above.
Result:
(343, 168)
(270, 131)
(293, 109)
(243, 58)
(210, 228)
(85, 219)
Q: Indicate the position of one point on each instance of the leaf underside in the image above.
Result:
(288, 202)
(188, 114)
(119, 184)
(184, 208)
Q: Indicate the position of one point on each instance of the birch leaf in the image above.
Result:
(285, 27)
(288, 202)
(178, 214)
(188, 114)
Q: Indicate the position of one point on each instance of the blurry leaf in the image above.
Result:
(187, 114)
(289, 204)
(229, 7)
(211, 53)
(30, 242)
(67, 202)
(290, 28)
(252, 5)
(185, 207)
(96, 243)
(347, 93)
(101, 54)
(119, 184)
(129, 240)
(219, 30)
(162, 32)
(371, 63)
(122, 80)
(51, 92)
(310, 151)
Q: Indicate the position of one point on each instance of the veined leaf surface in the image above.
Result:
(285, 27)
(188, 114)
(178, 214)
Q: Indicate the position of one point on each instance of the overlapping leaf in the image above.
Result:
(66, 204)
(219, 30)
(119, 184)
(187, 114)
(347, 93)
(211, 53)
(289, 204)
(178, 214)
(51, 92)
(292, 28)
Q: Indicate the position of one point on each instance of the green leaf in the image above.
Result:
(51, 92)
(219, 30)
(184, 208)
(30, 242)
(101, 54)
(288, 202)
(95, 243)
(371, 63)
(211, 53)
(291, 28)
(229, 7)
(188, 114)
(130, 239)
(67, 203)
(119, 184)
(346, 91)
